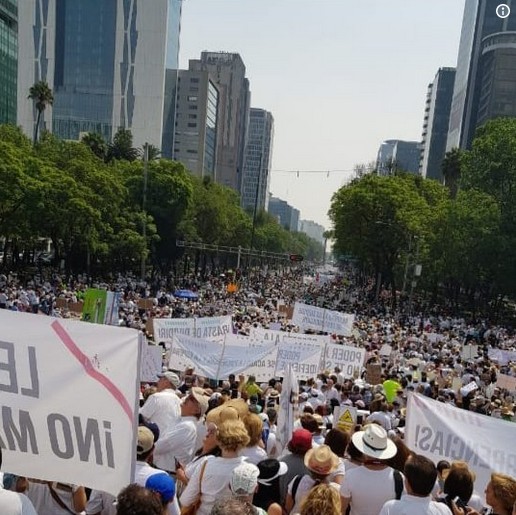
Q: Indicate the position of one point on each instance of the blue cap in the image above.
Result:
(163, 484)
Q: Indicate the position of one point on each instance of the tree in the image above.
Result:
(41, 94)
(96, 143)
(121, 148)
(451, 168)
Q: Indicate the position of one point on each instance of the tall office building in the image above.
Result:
(313, 230)
(105, 61)
(287, 216)
(395, 154)
(258, 158)
(8, 60)
(485, 84)
(196, 122)
(436, 122)
(228, 72)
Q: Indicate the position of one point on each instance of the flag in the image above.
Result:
(287, 407)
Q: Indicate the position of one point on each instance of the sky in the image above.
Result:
(339, 77)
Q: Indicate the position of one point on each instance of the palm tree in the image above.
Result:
(121, 148)
(42, 95)
(96, 144)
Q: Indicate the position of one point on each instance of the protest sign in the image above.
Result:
(374, 373)
(345, 418)
(385, 350)
(507, 382)
(319, 319)
(151, 362)
(440, 431)
(94, 309)
(503, 357)
(468, 388)
(69, 400)
(101, 306)
(348, 359)
(205, 328)
(469, 351)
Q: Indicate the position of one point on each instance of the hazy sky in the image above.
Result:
(339, 76)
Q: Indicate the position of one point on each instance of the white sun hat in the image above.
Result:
(373, 441)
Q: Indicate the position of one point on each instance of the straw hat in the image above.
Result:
(321, 460)
(373, 441)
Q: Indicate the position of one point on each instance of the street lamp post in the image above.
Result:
(144, 202)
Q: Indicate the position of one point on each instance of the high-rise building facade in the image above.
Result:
(485, 64)
(258, 159)
(228, 72)
(313, 230)
(105, 61)
(8, 60)
(436, 122)
(395, 154)
(196, 123)
(287, 216)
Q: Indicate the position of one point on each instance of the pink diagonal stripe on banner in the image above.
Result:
(88, 367)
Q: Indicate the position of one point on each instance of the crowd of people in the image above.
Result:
(211, 447)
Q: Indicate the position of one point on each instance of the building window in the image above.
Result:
(192, 116)
(190, 151)
(191, 124)
(192, 98)
(194, 80)
(192, 107)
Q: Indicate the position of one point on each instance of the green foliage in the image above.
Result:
(42, 96)
(121, 148)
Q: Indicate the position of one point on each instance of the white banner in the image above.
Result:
(69, 394)
(349, 359)
(151, 362)
(263, 369)
(503, 357)
(214, 359)
(443, 432)
(319, 319)
(206, 328)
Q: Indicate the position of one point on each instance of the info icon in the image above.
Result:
(503, 11)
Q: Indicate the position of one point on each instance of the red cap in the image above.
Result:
(301, 441)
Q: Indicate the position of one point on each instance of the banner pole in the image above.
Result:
(221, 358)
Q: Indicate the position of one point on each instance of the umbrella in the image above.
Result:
(186, 294)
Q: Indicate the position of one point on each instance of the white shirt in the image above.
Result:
(253, 454)
(412, 505)
(13, 503)
(366, 499)
(215, 483)
(162, 408)
(177, 443)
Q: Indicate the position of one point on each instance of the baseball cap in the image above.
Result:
(163, 484)
(171, 377)
(244, 479)
(145, 440)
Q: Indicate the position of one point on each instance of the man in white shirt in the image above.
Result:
(163, 407)
(420, 475)
(178, 443)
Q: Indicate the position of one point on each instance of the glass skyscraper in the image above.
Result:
(8, 60)
(480, 21)
(258, 158)
(105, 61)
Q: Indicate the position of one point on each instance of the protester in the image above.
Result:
(322, 499)
(420, 476)
(320, 462)
(14, 503)
(356, 490)
(210, 481)
(138, 500)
